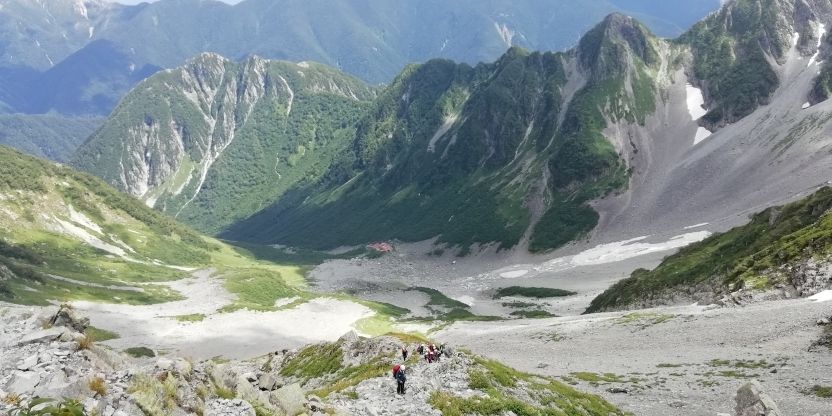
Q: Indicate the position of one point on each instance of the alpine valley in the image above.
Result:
(606, 207)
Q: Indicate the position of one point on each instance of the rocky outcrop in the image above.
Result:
(752, 401)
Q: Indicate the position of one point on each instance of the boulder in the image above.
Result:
(43, 335)
(28, 363)
(268, 382)
(68, 318)
(751, 401)
(23, 382)
(291, 399)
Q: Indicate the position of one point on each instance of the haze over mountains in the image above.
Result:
(77, 58)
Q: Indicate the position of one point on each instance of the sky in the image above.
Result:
(151, 1)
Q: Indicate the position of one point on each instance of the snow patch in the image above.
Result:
(621, 250)
(92, 31)
(514, 274)
(695, 102)
(303, 64)
(690, 227)
(805, 105)
(701, 134)
(696, 108)
(821, 31)
(795, 39)
(824, 296)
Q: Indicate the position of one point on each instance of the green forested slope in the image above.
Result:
(748, 257)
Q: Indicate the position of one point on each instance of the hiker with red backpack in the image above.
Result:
(400, 376)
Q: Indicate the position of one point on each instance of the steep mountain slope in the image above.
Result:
(686, 174)
(505, 152)
(68, 236)
(79, 57)
(783, 252)
(49, 136)
(215, 141)
(673, 133)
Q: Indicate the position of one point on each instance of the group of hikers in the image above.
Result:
(429, 353)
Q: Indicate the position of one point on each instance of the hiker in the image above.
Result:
(421, 349)
(404, 353)
(401, 377)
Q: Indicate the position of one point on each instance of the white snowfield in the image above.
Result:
(622, 250)
(696, 109)
(824, 296)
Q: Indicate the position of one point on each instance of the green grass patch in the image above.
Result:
(668, 365)
(314, 361)
(139, 352)
(532, 292)
(498, 382)
(194, 317)
(597, 378)
(258, 289)
(824, 392)
(98, 334)
(746, 364)
(532, 314)
(643, 319)
(438, 298)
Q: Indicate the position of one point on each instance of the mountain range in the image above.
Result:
(78, 58)
(535, 149)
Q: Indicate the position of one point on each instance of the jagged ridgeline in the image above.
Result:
(215, 141)
(511, 152)
(736, 51)
(504, 152)
(775, 250)
(66, 235)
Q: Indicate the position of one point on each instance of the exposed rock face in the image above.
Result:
(751, 401)
(217, 124)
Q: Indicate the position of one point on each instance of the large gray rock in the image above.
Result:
(751, 401)
(68, 318)
(291, 399)
(222, 407)
(23, 382)
(43, 335)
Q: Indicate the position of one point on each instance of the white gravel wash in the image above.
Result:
(236, 335)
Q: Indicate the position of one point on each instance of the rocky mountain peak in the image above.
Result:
(607, 48)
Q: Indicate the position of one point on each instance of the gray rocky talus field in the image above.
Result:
(52, 353)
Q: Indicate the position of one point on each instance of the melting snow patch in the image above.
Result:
(795, 39)
(695, 101)
(820, 33)
(622, 250)
(690, 227)
(468, 300)
(696, 109)
(824, 296)
(805, 105)
(701, 134)
(514, 274)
